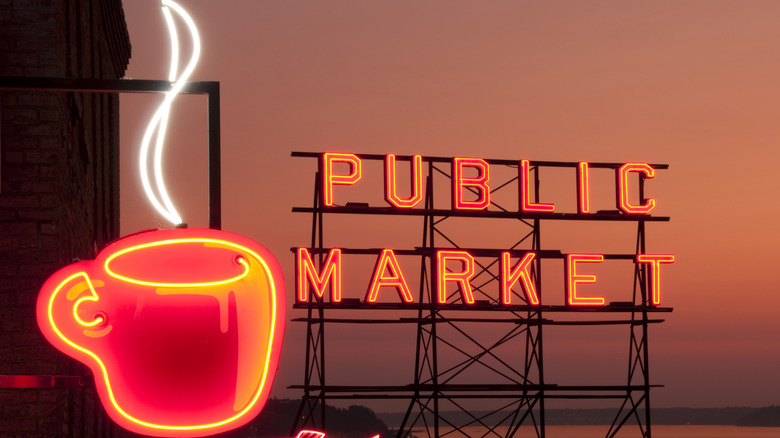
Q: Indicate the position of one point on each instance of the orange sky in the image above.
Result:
(695, 84)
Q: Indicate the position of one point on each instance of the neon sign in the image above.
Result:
(391, 185)
(573, 278)
(509, 276)
(159, 121)
(330, 178)
(655, 260)
(525, 192)
(306, 274)
(316, 434)
(470, 188)
(478, 184)
(453, 270)
(458, 267)
(182, 328)
(646, 171)
(583, 188)
(461, 278)
(388, 261)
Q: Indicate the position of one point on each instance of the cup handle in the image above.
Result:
(63, 310)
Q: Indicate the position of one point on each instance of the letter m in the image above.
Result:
(306, 274)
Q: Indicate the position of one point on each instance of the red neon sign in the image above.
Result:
(310, 434)
(654, 261)
(510, 276)
(182, 328)
(458, 266)
(478, 183)
(573, 278)
(388, 262)
(329, 179)
(306, 273)
(473, 193)
(391, 186)
(583, 188)
(622, 182)
(461, 277)
(525, 192)
(316, 434)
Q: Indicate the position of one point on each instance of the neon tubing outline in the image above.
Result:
(159, 121)
(263, 380)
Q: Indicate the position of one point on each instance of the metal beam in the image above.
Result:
(209, 88)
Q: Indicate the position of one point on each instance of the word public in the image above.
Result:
(467, 186)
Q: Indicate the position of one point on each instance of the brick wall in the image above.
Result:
(58, 195)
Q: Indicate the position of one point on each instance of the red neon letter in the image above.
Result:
(395, 279)
(480, 183)
(623, 203)
(525, 192)
(306, 273)
(462, 277)
(329, 179)
(510, 276)
(310, 434)
(572, 278)
(391, 189)
(655, 260)
(583, 189)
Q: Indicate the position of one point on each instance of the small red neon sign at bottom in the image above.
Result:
(315, 434)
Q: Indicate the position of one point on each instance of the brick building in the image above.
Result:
(59, 197)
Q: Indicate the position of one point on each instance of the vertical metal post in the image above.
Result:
(215, 158)
(433, 335)
(312, 342)
(424, 275)
(537, 245)
(645, 303)
(321, 327)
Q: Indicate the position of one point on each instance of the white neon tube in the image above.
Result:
(159, 122)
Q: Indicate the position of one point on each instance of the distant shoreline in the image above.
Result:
(731, 416)
(279, 415)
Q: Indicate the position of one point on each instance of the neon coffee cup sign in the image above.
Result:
(181, 328)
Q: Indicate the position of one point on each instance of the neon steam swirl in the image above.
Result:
(159, 122)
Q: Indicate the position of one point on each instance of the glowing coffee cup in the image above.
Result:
(182, 328)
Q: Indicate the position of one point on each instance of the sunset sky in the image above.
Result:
(693, 84)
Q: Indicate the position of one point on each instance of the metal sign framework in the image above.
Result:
(481, 370)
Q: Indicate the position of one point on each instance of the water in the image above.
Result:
(658, 431)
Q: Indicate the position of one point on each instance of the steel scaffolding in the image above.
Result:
(454, 368)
